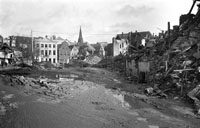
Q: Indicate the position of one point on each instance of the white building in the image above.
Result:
(120, 46)
(46, 50)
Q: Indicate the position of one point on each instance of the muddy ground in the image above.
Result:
(93, 98)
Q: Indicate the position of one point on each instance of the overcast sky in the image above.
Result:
(100, 19)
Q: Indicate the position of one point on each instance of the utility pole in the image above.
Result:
(32, 46)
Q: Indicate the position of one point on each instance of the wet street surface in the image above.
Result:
(88, 104)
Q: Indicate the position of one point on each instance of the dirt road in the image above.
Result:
(95, 104)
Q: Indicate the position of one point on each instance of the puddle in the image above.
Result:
(8, 96)
(153, 126)
(117, 81)
(66, 79)
(45, 100)
(134, 113)
(184, 110)
(142, 119)
(74, 76)
(3, 92)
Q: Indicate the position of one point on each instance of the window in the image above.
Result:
(49, 45)
(45, 45)
(54, 45)
(37, 45)
(46, 59)
(42, 52)
(49, 52)
(42, 45)
(41, 59)
(54, 60)
(49, 59)
(46, 53)
(54, 52)
(122, 45)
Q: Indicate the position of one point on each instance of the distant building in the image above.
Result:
(67, 52)
(73, 51)
(109, 50)
(122, 43)
(99, 49)
(6, 55)
(64, 53)
(7, 41)
(85, 50)
(1, 39)
(120, 46)
(46, 50)
(23, 44)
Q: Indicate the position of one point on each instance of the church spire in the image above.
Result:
(80, 38)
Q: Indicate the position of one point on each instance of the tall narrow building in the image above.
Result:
(80, 38)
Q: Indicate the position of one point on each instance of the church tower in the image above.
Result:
(80, 38)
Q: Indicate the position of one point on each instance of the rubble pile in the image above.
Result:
(64, 86)
(175, 72)
(77, 63)
(170, 67)
(92, 60)
(113, 63)
(44, 65)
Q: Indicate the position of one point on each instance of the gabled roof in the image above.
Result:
(123, 36)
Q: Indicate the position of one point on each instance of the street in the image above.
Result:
(91, 105)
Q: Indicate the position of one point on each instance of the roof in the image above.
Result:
(60, 45)
(123, 36)
(128, 35)
(59, 38)
(45, 40)
(71, 47)
(104, 44)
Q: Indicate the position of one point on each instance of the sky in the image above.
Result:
(100, 20)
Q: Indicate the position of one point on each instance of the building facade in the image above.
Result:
(64, 53)
(23, 44)
(99, 49)
(73, 51)
(46, 50)
(124, 43)
(120, 46)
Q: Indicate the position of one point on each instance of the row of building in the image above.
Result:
(60, 51)
(53, 49)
